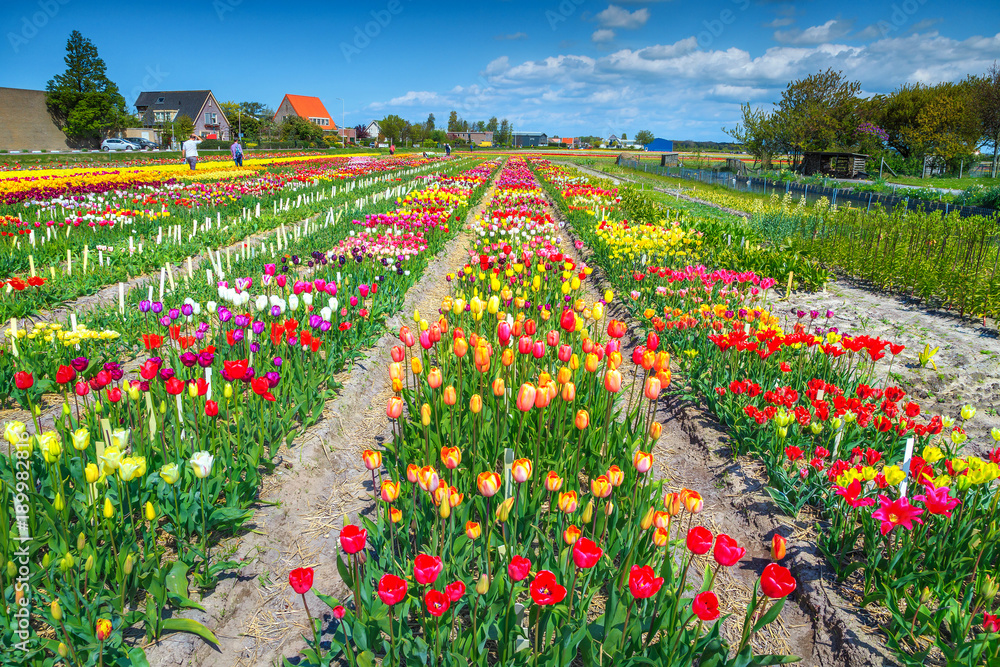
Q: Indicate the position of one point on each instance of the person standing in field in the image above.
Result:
(392, 149)
(237, 152)
(189, 151)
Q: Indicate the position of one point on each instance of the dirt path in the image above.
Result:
(255, 614)
(692, 452)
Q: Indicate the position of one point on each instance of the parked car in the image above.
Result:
(143, 144)
(117, 145)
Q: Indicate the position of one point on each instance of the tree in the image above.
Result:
(643, 137)
(493, 125)
(361, 131)
(392, 127)
(454, 125)
(258, 110)
(84, 103)
(758, 134)
(429, 125)
(624, 137)
(986, 91)
(819, 112)
(296, 128)
(231, 110)
(182, 127)
(505, 132)
(948, 125)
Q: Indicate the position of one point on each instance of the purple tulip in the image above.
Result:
(225, 314)
(273, 377)
(258, 327)
(275, 311)
(165, 320)
(829, 314)
(189, 359)
(255, 347)
(157, 307)
(249, 374)
(166, 373)
(145, 305)
(314, 321)
(199, 334)
(187, 309)
(238, 335)
(205, 359)
(325, 326)
(813, 314)
(242, 321)
(174, 313)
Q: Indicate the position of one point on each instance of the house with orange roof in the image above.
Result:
(304, 106)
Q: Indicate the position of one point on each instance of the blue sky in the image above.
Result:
(565, 67)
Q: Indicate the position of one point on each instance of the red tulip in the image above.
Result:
(616, 328)
(437, 602)
(149, 369)
(455, 590)
(518, 568)
(175, 386)
(727, 552)
(23, 380)
(353, 539)
(339, 612)
(699, 540)
(211, 408)
(114, 394)
(391, 589)
(65, 374)
(776, 581)
(426, 569)
(301, 579)
(545, 590)
(81, 388)
(586, 553)
(705, 606)
(643, 583)
(568, 321)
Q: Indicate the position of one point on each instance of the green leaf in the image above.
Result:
(137, 657)
(346, 574)
(772, 659)
(366, 659)
(189, 625)
(770, 615)
(177, 582)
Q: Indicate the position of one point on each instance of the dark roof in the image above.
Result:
(186, 102)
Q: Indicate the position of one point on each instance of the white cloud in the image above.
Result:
(511, 37)
(780, 22)
(818, 34)
(603, 35)
(619, 17)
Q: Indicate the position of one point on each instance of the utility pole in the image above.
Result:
(343, 130)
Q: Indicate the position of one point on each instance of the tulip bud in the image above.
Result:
(227, 391)
(56, 610)
(444, 510)
(58, 503)
(609, 507)
(88, 565)
(11, 569)
(65, 409)
(483, 585)
(503, 510)
(63, 650)
(925, 595)
(46, 560)
(81, 541)
(109, 509)
(647, 519)
(655, 429)
(425, 414)
(588, 512)
(988, 587)
(128, 565)
(476, 404)
(150, 511)
(778, 544)
(66, 563)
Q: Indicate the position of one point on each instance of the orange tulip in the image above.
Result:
(662, 361)
(451, 457)
(544, 378)
(481, 354)
(542, 397)
(428, 479)
(395, 515)
(564, 375)
(672, 503)
(440, 494)
(488, 483)
(416, 365)
(553, 482)
(664, 377)
(615, 476)
(692, 500)
(461, 346)
(568, 502)
(568, 392)
(613, 381)
(642, 461)
(390, 491)
(412, 473)
(601, 486)
(571, 534)
(661, 520)
(473, 530)
(396, 371)
(591, 363)
(499, 388)
(476, 404)
(373, 460)
(526, 397)
(395, 407)
(614, 360)
(655, 429)
(425, 414)
(778, 547)
(648, 360)
(521, 470)
(661, 537)
(652, 389)
(582, 419)
(454, 497)
(434, 378)
(450, 397)
(507, 358)
(397, 385)
(103, 629)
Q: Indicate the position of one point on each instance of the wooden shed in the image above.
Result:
(837, 165)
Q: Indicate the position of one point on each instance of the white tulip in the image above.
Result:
(293, 302)
(201, 463)
(307, 298)
(261, 302)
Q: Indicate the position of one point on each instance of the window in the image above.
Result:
(159, 100)
(210, 119)
(320, 121)
(163, 116)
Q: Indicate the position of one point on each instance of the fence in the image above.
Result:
(839, 196)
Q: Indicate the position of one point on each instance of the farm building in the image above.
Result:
(660, 145)
(837, 165)
(530, 139)
(304, 106)
(477, 138)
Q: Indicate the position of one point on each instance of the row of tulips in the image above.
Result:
(118, 501)
(905, 507)
(139, 229)
(517, 518)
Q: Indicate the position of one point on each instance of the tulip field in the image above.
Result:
(170, 337)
